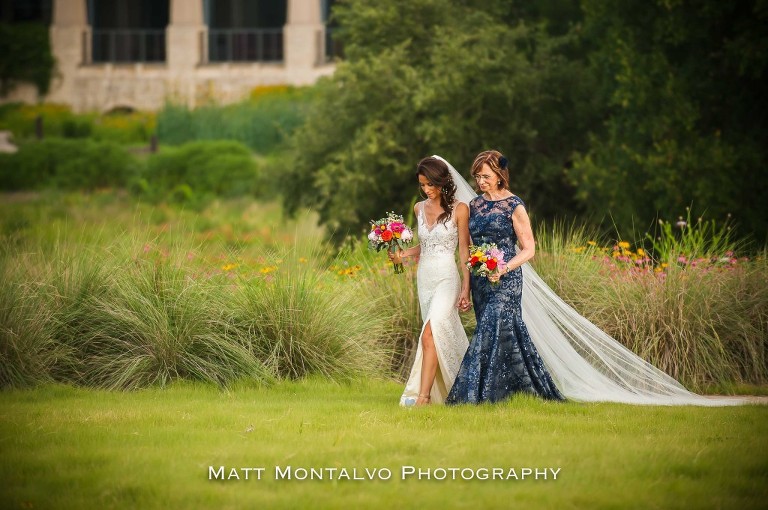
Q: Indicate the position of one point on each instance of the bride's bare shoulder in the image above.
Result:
(461, 206)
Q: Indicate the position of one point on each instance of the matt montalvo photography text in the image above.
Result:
(293, 473)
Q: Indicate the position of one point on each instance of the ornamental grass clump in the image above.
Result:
(302, 320)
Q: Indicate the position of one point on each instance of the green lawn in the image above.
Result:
(63, 447)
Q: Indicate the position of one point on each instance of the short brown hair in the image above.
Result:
(493, 159)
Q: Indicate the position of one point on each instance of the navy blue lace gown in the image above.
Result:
(501, 359)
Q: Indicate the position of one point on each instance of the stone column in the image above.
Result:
(303, 36)
(185, 37)
(69, 44)
(186, 47)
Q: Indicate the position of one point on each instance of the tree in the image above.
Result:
(686, 111)
(440, 76)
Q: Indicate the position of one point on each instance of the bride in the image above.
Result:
(585, 363)
(442, 226)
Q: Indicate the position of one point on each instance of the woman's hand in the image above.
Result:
(395, 256)
(495, 277)
(464, 304)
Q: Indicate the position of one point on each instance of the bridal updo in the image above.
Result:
(496, 162)
(436, 171)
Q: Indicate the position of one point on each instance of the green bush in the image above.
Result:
(66, 164)
(26, 52)
(59, 121)
(261, 123)
(199, 169)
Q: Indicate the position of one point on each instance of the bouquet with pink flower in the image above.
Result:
(390, 233)
(485, 260)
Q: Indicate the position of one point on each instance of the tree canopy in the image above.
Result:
(621, 110)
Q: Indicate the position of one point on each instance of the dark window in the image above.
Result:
(26, 11)
(245, 30)
(333, 47)
(128, 30)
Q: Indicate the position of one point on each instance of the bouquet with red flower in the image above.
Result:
(390, 233)
(485, 260)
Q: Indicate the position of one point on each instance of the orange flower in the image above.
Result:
(386, 235)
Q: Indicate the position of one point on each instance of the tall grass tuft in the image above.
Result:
(704, 325)
(152, 324)
(301, 321)
(395, 297)
(28, 351)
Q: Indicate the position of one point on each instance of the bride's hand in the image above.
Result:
(464, 304)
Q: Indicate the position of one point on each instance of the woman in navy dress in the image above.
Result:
(501, 359)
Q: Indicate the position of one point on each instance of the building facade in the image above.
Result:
(137, 54)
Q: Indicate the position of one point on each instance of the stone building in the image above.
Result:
(138, 53)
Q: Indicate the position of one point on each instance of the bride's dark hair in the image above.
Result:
(437, 174)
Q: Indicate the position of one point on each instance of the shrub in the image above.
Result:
(125, 127)
(66, 164)
(262, 123)
(59, 121)
(200, 169)
(302, 322)
(149, 324)
(27, 56)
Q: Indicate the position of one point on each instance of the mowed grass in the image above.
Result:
(63, 447)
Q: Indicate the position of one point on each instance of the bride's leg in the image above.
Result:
(428, 365)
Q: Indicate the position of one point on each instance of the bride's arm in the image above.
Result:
(462, 222)
(413, 251)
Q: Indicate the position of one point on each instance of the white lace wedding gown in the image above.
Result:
(439, 286)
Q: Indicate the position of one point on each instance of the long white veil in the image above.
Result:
(586, 364)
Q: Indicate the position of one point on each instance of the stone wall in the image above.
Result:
(185, 76)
